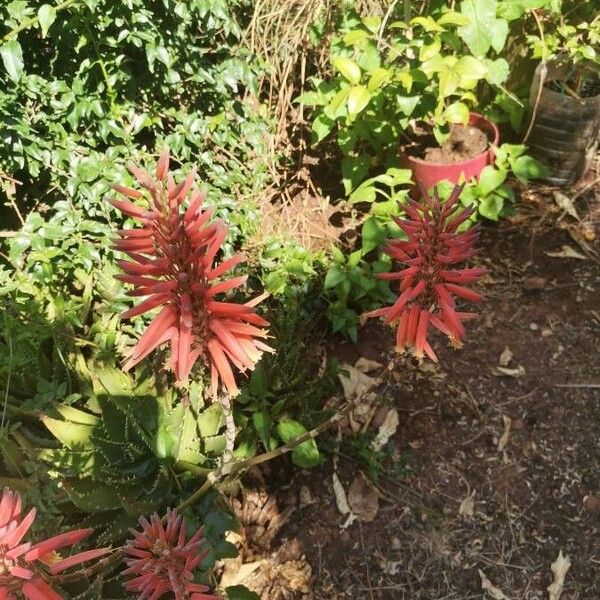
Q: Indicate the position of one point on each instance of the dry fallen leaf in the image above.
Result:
(565, 204)
(490, 588)
(390, 567)
(239, 574)
(503, 441)
(592, 503)
(518, 372)
(565, 252)
(305, 497)
(363, 498)
(354, 382)
(559, 567)
(467, 506)
(505, 357)
(387, 430)
(340, 495)
(366, 366)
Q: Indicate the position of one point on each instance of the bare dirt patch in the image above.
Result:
(496, 449)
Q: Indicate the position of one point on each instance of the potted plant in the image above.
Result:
(404, 94)
(564, 129)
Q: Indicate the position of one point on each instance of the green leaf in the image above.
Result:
(490, 178)
(405, 78)
(407, 104)
(189, 443)
(526, 168)
(46, 16)
(355, 36)
(484, 30)
(114, 381)
(306, 455)
(12, 57)
(372, 23)
(469, 67)
(240, 592)
(337, 107)
(354, 258)
(429, 51)
(491, 206)
(338, 255)
(262, 424)
(497, 71)
(370, 60)
(75, 415)
(72, 435)
(373, 234)
(354, 170)
(457, 112)
(453, 18)
(348, 68)
(210, 420)
(515, 9)
(89, 496)
(427, 23)
(358, 98)
(365, 192)
(399, 176)
(378, 78)
(169, 432)
(321, 128)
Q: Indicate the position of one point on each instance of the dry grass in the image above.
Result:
(279, 34)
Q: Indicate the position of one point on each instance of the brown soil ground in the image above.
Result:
(527, 483)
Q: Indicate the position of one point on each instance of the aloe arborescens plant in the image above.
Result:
(172, 266)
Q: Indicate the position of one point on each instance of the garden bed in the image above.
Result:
(527, 498)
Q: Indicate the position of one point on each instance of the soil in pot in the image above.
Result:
(588, 89)
(463, 143)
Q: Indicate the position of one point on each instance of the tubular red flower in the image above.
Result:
(162, 561)
(19, 571)
(172, 265)
(427, 283)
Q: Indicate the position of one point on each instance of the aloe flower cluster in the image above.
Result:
(172, 265)
(21, 563)
(163, 561)
(429, 283)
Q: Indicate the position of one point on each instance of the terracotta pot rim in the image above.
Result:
(493, 127)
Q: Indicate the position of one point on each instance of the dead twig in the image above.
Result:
(591, 386)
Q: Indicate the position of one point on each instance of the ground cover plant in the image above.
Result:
(203, 278)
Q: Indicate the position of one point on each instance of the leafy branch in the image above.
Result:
(234, 468)
(27, 23)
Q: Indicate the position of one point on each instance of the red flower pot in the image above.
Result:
(430, 173)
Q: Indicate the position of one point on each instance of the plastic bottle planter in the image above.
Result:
(566, 131)
(431, 173)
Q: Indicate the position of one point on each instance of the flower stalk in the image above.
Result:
(429, 283)
(172, 267)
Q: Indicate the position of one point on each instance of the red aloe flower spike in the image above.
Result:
(162, 561)
(428, 285)
(172, 264)
(19, 571)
